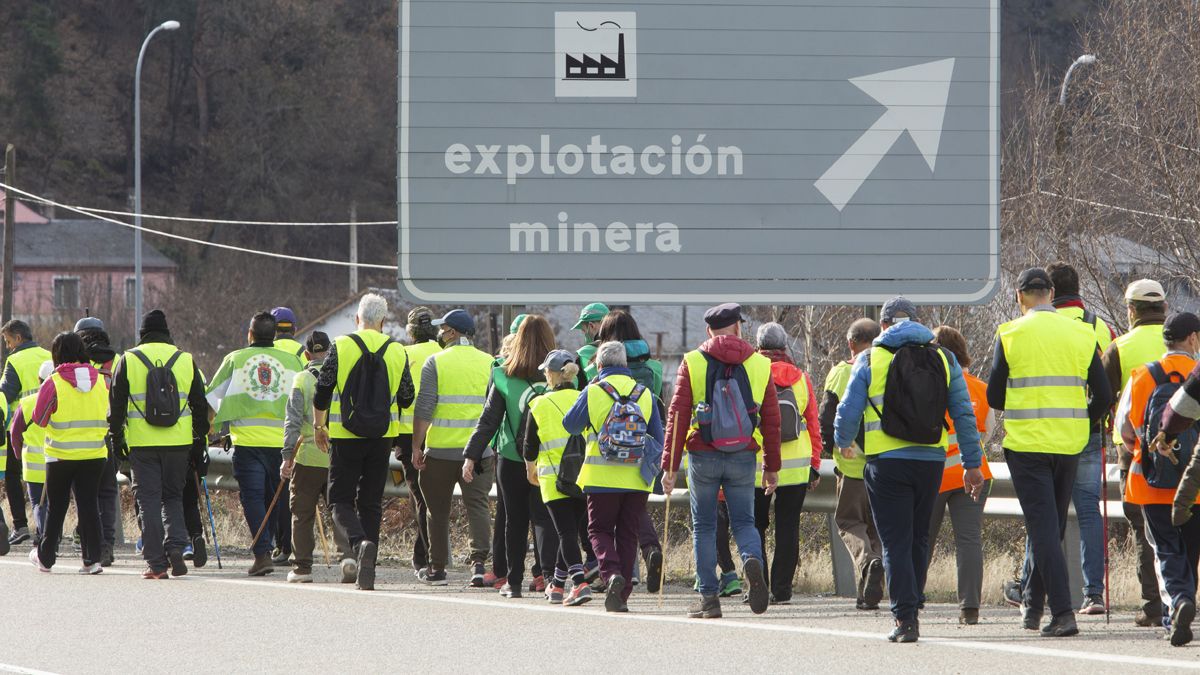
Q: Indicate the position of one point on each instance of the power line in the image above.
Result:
(218, 221)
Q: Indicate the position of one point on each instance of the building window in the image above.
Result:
(66, 292)
(130, 291)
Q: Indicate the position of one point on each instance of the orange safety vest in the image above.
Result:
(1141, 383)
(952, 475)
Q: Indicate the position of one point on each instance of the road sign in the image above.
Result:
(798, 151)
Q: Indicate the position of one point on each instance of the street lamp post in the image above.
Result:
(137, 173)
(1060, 131)
(1085, 60)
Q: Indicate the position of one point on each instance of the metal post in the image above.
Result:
(845, 581)
(353, 249)
(10, 228)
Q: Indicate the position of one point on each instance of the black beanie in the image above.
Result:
(154, 322)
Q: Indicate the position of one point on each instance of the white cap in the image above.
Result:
(46, 370)
(1147, 290)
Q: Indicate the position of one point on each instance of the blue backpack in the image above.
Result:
(1158, 471)
(623, 436)
(728, 416)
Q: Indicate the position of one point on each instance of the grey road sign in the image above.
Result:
(781, 151)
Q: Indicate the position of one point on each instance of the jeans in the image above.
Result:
(1177, 550)
(612, 526)
(789, 501)
(158, 479)
(523, 505)
(708, 473)
(966, 517)
(39, 508)
(358, 472)
(902, 494)
(109, 499)
(62, 478)
(257, 474)
(1043, 483)
(724, 555)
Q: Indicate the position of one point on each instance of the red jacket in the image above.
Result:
(681, 437)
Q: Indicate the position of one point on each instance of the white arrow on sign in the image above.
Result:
(916, 102)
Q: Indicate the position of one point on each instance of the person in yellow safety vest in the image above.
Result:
(285, 332)
(423, 334)
(71, 406)
(281, 519)
(103, 358)
(158, 455)
(18, 381)
(250, 394)
(1169, 509)
(28, 442)
(906, 443)
(1047, 378)
(852, 514)
(800, 461)
(1146, 305)
(454, 384)
(358, 463)
(616, 486)
(966, 514)
(542, 446)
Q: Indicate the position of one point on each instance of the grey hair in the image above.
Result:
(611, 354)
(372, 309)
(863, 332)
(772, 336)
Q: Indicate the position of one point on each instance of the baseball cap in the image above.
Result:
(516, 323)
(88, 323)
(1180, 325)
(892, 309)
(556, 360)
(723, 316)
(593, 312)
(283, 317)
(459, 320)
(1147, 290)
(420, 316)
(1034, 279)
(317, 342)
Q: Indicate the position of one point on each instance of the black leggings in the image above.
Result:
(82, 476)
(567, 514)
(789, 501)
(523, 503)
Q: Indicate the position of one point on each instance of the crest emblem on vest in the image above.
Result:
(262, 378)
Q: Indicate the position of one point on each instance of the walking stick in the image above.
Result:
(212, 525)
(267, 518)
(1104, 519)
(662, 581)
(321, 531)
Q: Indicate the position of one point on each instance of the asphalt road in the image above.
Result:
(222, 621)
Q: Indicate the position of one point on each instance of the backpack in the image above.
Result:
(623, 436)
(789, 414)
(1158, 471)
(915, 396)
(367, 395)
(729, 415)
(162, 392)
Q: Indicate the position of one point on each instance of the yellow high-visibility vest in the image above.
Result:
(26, 363)
(138, 432)
(418, 354)
(348, 354)
(877, 441)
(1139, 346)
(77, 427)
(598, 471)
(463, 373)
(548, 411)
(33, 444)
(795, 456)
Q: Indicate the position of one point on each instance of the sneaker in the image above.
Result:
(968, 616)
(508, 591)
(178, 566)
(138, 548)
(436, 577)
(905, 631)
(189, 553)
(199, 552)
(654, 570)
(1093, 605)
(613, 602)
(33, 558)
(555, 594)
(297, 577)
(262, 565)
(422, 574)
(366, 567)
(777, 600)
(873, 587)
(1061, 626)
(94, 568)
(349, 568)
(477, 579)
(538, 584)
(731, 585)
(635, 579)
(280, 556)
(759, 597)
(709, 607)
(1144, 619)
(861, 604)
(580, 594)
(1181, 623)
(106, 555)
(492, 580)
(151, 573)
(1012, 593)
(19, 536)
(591, 571)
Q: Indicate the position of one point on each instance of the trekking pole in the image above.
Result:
(662, 581)
(1104, 520)
(212, 525)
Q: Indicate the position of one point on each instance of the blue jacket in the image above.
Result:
(850, 409)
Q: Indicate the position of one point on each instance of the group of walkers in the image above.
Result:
(576, 441)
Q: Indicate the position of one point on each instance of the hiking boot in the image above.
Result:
(968, 616)
(709, 607)
(759, 597)
(654, 569)
(349, 567)
(1181, 623)
(580, 594)
(151, 573)
(436, 577)
(33, 558)
(479, 576)
(555, 595)
(18, 536)
(299, 577)
(730, 586)
(873, 586)
(508, 591)
(905, 631)
(199, 552)
(779, 600)
(1061, 626)
(262, 565)
(280, 556)
(1031, 619)
(95, 568)
(861, 604)
(1145, 619)
(613, 602)
(106, 555)
(5, 546)
(537, 584)
(366, 566)
(1093, 605)
(1012, 593)
(178, 566)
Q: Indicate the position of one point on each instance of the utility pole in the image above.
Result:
(353, 248)
(10, 229)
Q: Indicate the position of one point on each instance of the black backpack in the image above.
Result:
(367, 395)
(162, 392)
(915, 396)
(789, 414)
(1159, 471)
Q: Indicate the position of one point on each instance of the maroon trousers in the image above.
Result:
(613, 522)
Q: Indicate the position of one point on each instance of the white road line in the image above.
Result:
(20, 670)
(1023, 649)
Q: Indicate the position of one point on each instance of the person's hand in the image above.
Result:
(814, 479)
(468, 471)
(668, 482)
(770, 482)
(848, 453)
(287, 468)
(1180, 514)
(1164, 448)
(973, 483)
(321, 436)
(418, 459)
(531, 473)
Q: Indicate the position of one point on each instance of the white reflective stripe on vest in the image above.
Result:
(1136, 467)
(874, 425)
(1046, 381)
(553, 445)
(547, 471)
(1046, 413)
(876, 400)
(598, 459)
(257, 422)
(462, 400)
(35, 467)
(74, 445)
(79, 424)
(453, 424)
(952, 439)
(953, 461)
(404, 419)
(335, 417)
(795, 463)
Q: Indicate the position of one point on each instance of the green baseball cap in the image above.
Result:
(516, 323)
(593, 312)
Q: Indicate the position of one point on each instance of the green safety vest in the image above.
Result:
(795, 456)
(348, 354)
(1046, 403)
(250, 393)
(26, 364)
(548, 411)
(877, 441)
(598, 472)
(516, 393)
(77, 427)
(837, 382)
(138, 433)
(309, 454)
(417, 355)
(33, 444)
(463, 373)
(290, 346)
